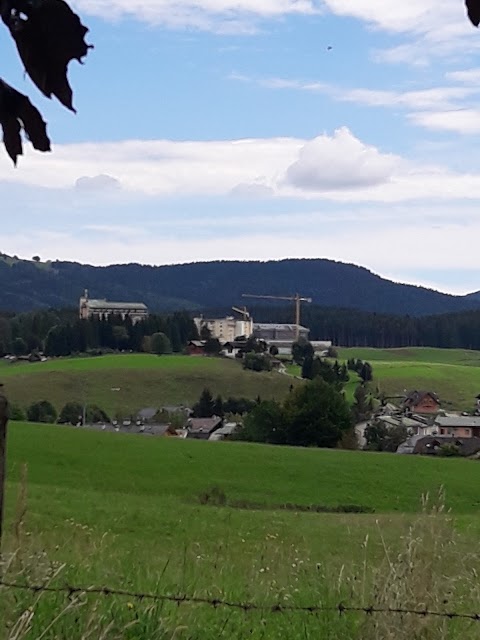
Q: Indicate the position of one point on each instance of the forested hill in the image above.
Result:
(26, 285)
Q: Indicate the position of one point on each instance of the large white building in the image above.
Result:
(276, 331)
(225, 329)
(91, 308)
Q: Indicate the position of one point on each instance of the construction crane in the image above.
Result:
(297, 298)
(242, 312)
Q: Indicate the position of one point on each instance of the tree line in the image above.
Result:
(62, 333)
(354, 328)
(23, 333)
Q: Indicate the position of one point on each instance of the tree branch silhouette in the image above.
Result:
(48, 36)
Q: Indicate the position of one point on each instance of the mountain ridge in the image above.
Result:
(28, 284)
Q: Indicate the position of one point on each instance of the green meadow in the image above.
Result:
(126, 383)
(454, 374)
(91, 508)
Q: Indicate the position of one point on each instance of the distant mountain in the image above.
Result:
(26, 285)
(473, 297)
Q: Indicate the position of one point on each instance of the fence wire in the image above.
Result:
(340, 608)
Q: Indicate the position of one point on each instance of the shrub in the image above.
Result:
(332, 352)
(257, 362)
(161, 343)
(42, 411)
(16, 413)
(71, 413)
(96, 414)
(448, 450)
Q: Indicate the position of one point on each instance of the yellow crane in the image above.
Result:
(297, 299)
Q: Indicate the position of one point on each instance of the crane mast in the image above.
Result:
(297, 299)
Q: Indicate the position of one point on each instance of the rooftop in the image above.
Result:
(278, 327)
(417, 396)
(204, 425)
(148, 413)
(105, 304)
(458, 421)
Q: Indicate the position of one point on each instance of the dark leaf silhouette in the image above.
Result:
(48, 35)
(17, 113)
(473, 8)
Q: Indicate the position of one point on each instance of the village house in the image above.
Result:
(146, 415)
(196, 348)
(423, 402)
(102, 309)
(458, 426)
(436, 445)
(202, 428)
(225, 432)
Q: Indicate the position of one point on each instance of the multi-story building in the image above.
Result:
(90, 308)
(225, 329)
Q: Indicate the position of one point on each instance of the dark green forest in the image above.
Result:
(27, 285)
(354, 328)
(60, 333)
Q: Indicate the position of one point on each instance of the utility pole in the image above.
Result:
(3, 455)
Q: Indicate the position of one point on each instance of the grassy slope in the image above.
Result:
(122, 510)
(144, 380)
(414, 354)
(453, 373)
(67, 458)
(147, 380)
(143, 492)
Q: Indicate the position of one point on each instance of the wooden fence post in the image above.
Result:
(3, 456)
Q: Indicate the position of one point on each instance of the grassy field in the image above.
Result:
(457, 357)
(144, 380)
(124, 511)
(454, 374)
(147, 380)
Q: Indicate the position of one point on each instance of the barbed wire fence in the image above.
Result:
(340, 608)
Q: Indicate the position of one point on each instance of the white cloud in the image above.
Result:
(434, 97)
(340, 162)
(464, 121)
(392, 15)
(467, 76)
(253, 190)
(216, 15)
(337, 168)
(101, 182)
(433, 28)
(160, 167)
(419, 17)
(443, 108)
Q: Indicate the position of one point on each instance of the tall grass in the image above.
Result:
(429, 567)
(435, 569)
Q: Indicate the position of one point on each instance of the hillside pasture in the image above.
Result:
(460, 357)
(124, 511)
(143, 380)
(454, 374)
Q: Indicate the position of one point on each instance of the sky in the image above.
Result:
(260, 129)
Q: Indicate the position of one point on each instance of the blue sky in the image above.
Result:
(260, 129)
